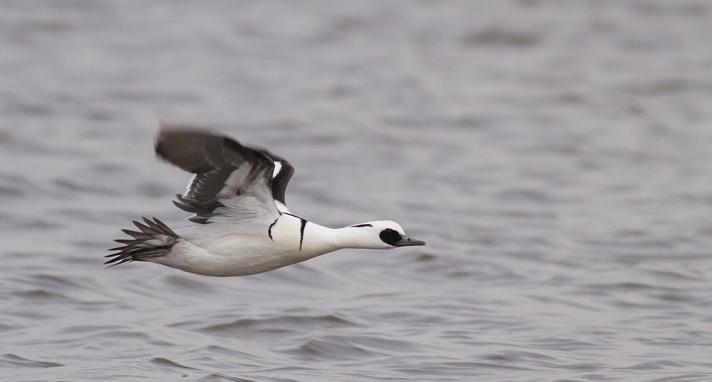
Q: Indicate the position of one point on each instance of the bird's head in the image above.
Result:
(382, 234)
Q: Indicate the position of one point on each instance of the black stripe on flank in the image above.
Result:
(269, 230)
(301, 233)
(361, 225)
(301, 229)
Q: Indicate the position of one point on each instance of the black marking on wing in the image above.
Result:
(361, 225)
(269, 230)
(281, 179)
(214, 159)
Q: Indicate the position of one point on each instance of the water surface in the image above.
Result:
(554, 155)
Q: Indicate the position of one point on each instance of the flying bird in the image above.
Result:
(242, 225)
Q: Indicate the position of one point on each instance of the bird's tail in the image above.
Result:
(154, 239)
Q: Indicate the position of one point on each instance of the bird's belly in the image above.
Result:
(225, 258)
(251, 261)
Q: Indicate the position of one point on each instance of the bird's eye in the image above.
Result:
(390, 236)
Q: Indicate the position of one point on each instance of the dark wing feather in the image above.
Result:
(226, 173)
(281, 178)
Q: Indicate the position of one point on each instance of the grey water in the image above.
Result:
(555, 155)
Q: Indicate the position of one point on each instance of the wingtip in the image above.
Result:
(158, 148)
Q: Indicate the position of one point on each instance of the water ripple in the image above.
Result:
(12, 360)
(554, 155)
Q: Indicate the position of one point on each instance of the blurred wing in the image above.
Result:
(281, 174)
(230, 182)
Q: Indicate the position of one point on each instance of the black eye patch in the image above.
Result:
(390, 236)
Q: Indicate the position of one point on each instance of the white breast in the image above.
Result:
(248, 253)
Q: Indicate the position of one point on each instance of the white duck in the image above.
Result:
(242, 225)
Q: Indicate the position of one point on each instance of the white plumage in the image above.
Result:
(243, 226)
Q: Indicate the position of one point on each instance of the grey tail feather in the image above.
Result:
(153, 239)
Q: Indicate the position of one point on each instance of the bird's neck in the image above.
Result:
(346, 237)
(316, 239)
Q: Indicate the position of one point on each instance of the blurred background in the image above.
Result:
(555, 155)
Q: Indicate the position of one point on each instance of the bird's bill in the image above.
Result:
(406, 241)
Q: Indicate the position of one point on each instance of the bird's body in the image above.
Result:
(215, 252)
(242, 225)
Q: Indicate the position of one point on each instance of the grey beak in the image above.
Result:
(406, 241)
